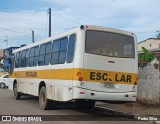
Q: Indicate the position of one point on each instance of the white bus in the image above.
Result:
(84, 64)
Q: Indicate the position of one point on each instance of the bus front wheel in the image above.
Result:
(44, 103)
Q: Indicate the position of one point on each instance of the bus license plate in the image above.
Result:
(109, 85)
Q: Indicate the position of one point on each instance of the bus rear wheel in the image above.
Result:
(44, 103)
(85, 104)
(17, 94)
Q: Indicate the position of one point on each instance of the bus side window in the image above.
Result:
(16, 60)
(31, 56)
(48, 53)
(63, 50)
(23, 58)
(27, 58)
(71, 47)
(55, 52)
(19, 59)
(36, 53)
(42, 54)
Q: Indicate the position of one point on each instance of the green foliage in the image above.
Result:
(147, 56)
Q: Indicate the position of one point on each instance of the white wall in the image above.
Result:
(149, 44)
(148, 88)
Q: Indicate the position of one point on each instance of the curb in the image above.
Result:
(115, 112)
(123, 114)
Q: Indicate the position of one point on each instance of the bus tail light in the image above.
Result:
(135, 83)
(80, 79)
(80, 76)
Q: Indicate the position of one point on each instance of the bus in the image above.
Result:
(83, 65)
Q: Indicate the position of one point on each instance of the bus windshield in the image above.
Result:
(109, 44)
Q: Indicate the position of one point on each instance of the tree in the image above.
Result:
(158, 35)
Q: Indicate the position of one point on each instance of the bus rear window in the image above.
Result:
(109, 44)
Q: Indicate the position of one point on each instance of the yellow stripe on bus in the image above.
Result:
(76, 73)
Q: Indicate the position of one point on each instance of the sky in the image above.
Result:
(19, 17)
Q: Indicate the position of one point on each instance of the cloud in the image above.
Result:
(121, 13)
(141, 17)
(22, 22)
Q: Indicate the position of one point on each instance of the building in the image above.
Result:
(149, 44)
(8, 52)
(8, 55)
(1, 54)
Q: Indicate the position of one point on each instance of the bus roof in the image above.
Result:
(92, 27)
(71, 31)
(46, 40)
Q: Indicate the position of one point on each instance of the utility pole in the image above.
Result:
(49, 22)
(6, 40)
(32, 36)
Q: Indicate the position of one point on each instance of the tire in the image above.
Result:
(2, 85)
(44, 103)
(85, 104)
(17, 94)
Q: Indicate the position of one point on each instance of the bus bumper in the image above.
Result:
(79, 93)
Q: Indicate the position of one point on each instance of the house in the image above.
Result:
(149, 44)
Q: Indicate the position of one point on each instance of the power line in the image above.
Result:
(23, 11)
(17, 38)
(64, 18)
(145, 32)
(39, 12)
(67, 19)
(22, 22)
(30, 23)
(14, 31)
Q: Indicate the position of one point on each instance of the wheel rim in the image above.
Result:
(15, 89)
(42, 98)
